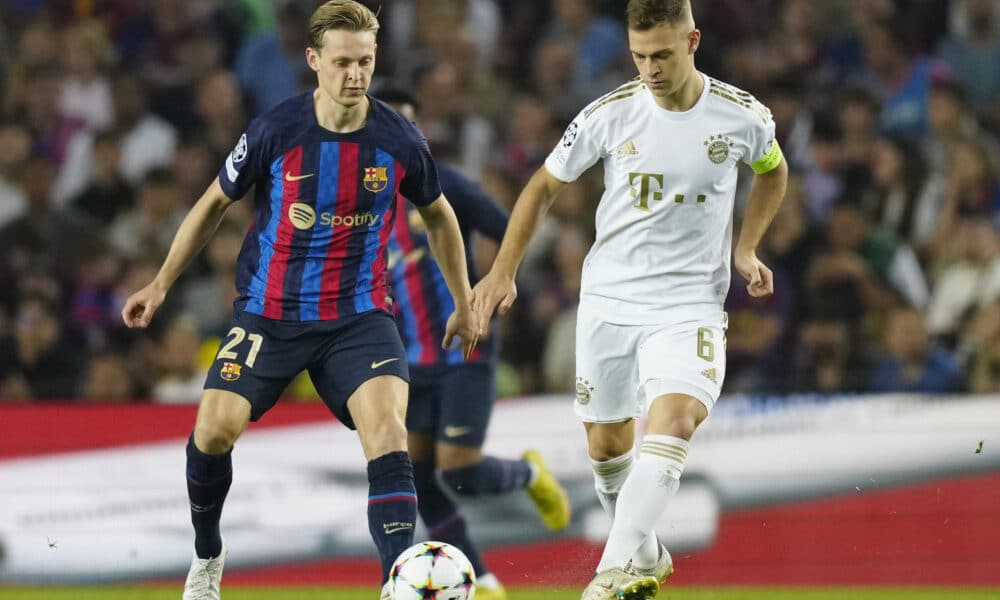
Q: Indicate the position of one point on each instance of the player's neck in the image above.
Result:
(338, 118)
(685, 97)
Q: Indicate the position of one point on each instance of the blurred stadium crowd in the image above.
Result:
(116, 114)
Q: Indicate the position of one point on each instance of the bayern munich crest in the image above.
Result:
(718, 148)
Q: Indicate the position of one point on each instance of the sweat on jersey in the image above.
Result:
(323, 209)
(665, 219)
(423, 303)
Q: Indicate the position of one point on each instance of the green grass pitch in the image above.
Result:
(668, 593)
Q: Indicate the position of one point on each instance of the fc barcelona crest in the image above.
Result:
(230, 371)
(376, 178)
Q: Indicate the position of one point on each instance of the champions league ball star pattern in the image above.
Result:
(432, 571)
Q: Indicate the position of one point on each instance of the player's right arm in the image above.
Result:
(580, 147)
(192, 235)
(497, 287)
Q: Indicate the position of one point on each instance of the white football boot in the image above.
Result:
(205, 577)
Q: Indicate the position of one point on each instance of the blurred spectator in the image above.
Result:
(180, 378)
(271, 66)
(912, 364)
(41, 357)
(108, 194)
(972, 51)
(906, 198)
(969, 281)
(982, 339)
(828, 357)
(557, 307)
(209, 298)
(42, 229)
(86, 92)
(108, 380)
(862, 260)
(147, 142)
(15, 139)
(220, 112)
(901, 78)
(149, 227)
(51, 131)
(600, 44)
(194, 166)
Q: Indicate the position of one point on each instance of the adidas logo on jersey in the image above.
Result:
(627, 149)
(710, 373)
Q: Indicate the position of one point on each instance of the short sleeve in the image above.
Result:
(420, 184)
(577, 151)
(246, 163)
(764, 153)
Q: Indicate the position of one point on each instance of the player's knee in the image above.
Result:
(449, 457)
(384, 437)
(215, 437)
(603, 448)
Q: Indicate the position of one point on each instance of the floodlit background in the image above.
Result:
(857, 439)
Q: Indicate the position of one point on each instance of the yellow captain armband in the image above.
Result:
(769, 161)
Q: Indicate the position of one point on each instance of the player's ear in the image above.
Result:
(694, 39)
(312, 58)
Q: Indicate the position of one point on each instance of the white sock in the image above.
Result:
(652, 482)
(609, 476)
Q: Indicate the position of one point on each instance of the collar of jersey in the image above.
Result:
(674, 115)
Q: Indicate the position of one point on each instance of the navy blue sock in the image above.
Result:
(392, 506)
(443, 520)
(491, 475)
(208, 480)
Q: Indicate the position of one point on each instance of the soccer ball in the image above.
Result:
(432, 571)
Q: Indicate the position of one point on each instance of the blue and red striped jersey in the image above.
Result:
(324, 206)
(423, 303)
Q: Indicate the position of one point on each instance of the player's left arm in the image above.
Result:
(766, 194)
(445, 240)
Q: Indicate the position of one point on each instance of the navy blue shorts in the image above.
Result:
(259, 358)
(453, 402)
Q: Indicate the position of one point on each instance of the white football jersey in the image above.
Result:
(664, 223)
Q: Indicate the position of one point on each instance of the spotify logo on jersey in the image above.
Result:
(302, 215)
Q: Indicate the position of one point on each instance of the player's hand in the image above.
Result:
(760, 278)
(140, 306)
(462, 323)
(492, 291)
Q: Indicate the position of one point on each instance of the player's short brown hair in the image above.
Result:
(646, 14)
(340, 14)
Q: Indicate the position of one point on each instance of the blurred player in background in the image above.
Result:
(311, 276)
(451, 400)
(651, 326)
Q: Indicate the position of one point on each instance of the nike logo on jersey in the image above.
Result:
(377, 364)
(289, 177)
(627, 149)
(454, 431)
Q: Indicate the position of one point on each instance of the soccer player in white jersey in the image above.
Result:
(651, 326)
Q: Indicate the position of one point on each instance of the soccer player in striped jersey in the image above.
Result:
(327, 167)
(451, 399)
(650, 326)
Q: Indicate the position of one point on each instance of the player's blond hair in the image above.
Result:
(340, 14)
(642, 15)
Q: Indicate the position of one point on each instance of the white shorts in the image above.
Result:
(621, 369)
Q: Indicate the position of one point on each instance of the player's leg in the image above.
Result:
(441, 516)
(363, 378)
(250, 370)
(683, 370)
(608, 401)
(378, 409)
(467, 393)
